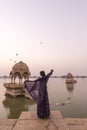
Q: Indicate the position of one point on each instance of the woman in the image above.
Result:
(38, 90)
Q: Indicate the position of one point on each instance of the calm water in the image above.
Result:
(71, 100)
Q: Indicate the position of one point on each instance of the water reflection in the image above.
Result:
(14, 106)
(73, 95)
(70, 87)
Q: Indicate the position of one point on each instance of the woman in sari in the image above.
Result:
(38, 90)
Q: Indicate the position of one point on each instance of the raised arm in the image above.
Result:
(46, 76)
(50, 73)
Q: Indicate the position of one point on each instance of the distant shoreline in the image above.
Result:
(63, 77)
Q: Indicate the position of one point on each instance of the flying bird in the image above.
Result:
(16, 54)
(41, 42)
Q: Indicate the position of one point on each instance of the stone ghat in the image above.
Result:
(30, 121)
(14, 90)
(13, 85)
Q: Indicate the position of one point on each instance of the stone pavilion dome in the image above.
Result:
(21, 71)
(69, 75)
(69, 78)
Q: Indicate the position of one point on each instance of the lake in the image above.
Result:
(70, 99)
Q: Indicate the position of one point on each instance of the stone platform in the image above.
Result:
(30, 121)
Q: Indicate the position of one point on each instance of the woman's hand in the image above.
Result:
(52, 70)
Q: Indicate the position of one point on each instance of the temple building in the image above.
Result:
(69, 78)
(18, 74)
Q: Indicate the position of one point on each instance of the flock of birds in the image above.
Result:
(64, 103)
(12, 59)
(18, 54)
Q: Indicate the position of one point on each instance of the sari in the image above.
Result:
(38, 91)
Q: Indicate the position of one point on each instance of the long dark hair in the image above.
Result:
(42, 73)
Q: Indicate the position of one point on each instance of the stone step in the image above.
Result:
(30, 121)
(7, 124)
(76, 123)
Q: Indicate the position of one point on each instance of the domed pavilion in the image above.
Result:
(69, 78)
(19, 71)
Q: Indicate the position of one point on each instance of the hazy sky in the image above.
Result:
(46, 34)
